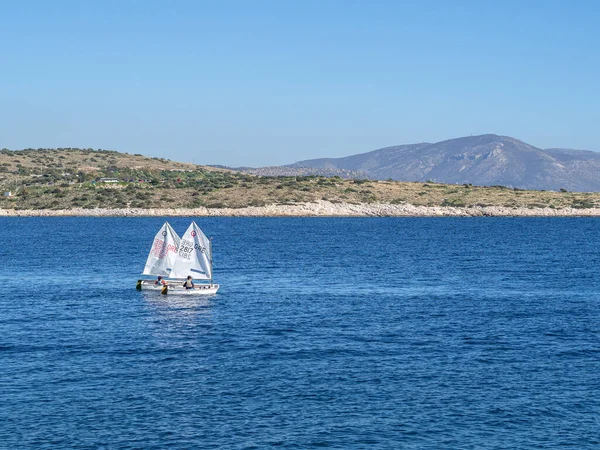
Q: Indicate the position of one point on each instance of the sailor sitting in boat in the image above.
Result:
(189, 283)
(160, 280)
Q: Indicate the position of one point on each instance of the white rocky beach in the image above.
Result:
(317, 209)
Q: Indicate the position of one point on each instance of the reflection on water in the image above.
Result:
(168, 314)
(198, 303)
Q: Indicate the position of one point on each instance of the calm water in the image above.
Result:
(339, 333)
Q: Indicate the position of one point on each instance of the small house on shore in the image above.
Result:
(109, 180)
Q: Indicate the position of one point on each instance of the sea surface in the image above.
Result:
(366, 333)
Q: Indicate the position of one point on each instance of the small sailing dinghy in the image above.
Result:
(161, 257)
(177, 258)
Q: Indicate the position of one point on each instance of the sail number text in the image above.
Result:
(161, 248)
(187, 247)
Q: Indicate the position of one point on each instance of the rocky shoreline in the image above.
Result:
(315, 209)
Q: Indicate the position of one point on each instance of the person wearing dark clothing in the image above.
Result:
(189, 283)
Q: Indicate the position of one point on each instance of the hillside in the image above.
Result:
(480, 160)
(59, 179)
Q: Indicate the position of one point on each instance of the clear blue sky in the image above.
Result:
(273, 82)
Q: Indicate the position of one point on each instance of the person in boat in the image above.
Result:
(189, 283)
(160, 280)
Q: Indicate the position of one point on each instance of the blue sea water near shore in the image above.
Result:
(337, 333)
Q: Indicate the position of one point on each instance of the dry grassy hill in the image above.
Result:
(67, 178)
(59, 161)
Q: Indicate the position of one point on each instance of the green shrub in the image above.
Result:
(257, 202)
(582, 204)
(217, 205)
(457, 203)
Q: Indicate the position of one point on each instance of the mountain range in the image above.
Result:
(483, 160)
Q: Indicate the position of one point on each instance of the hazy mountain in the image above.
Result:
(294, 171)
(481, 160)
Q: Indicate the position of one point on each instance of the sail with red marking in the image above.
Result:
(163, 252)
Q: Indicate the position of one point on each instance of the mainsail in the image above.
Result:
(194, 257)
(163, 252)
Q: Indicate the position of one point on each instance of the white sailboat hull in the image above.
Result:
(176, 288)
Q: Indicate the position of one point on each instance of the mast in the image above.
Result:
(211, 263)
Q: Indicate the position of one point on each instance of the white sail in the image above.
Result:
(194, 257)
(163, 252)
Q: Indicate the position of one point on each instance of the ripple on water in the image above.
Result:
(338, 333)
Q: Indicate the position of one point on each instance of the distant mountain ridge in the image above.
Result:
(484, 160)
(293, 171)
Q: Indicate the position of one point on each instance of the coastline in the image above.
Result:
(315, 209)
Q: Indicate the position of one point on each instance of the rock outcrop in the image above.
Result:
(319, 209)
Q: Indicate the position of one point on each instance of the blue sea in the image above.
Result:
(347, 333)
